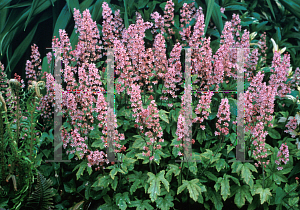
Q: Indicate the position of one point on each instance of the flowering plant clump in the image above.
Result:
(155, 110)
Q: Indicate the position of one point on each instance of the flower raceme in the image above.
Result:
(224, 118)
(283, 155)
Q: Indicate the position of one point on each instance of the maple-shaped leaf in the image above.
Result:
(114, 171)
(265, 194)
(172, 169)
(127, 162)
(109, 205)
(122, 199)
(220, 164)
(165, 203)
(82, 166)
(138, 180)
(154, 189)
(241, 194)
(215, 197)
(141, 205)
(194, 187)
(210, 156)
(103, 181)
(245, 170)
(225, 187)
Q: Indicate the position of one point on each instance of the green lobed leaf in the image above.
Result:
(114, 171)
(241, 194)
(193, 187)
(82, 166)
(122, 200)
(172, 169)
(215, 198)
(265, 194)
(245, 169)
(103, 181)
(141, 205)
(165, 203)
(163, 116)
(70, 186)
(154, 189)
(280, 194)
(225, 187)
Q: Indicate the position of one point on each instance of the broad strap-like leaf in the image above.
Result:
(62, 20)
(209, 11)
(32, 8)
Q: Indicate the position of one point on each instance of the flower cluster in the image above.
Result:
(259, 107)
(151, 121)
(203, 108)
(187, 13)
(292, 125)
(224, 118)
(33, 67)
(259, 137)
(173, 74)
(17, 77)
(283, 155)
(279, 77)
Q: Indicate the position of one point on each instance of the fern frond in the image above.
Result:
(41, 198)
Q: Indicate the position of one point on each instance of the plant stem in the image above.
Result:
(263, 176)
(2, 146)
(18, 117)
(31, 142)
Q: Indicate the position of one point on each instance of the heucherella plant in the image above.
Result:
(149, 81)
